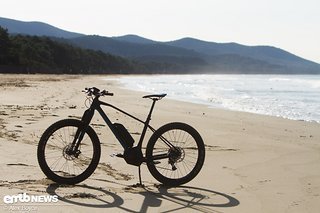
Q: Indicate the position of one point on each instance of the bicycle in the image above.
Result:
(69, 150)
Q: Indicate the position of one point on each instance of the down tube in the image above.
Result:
(109, 123)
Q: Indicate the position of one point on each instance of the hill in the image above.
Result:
(34, 54)
(180, 56)
(35, 28)
(277, 57)
(202, 56)
(133, 39)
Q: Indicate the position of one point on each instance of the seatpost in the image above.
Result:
(146, 124)
(151, 109)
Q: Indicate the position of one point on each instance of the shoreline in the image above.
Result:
(254, 163)
(206, 103)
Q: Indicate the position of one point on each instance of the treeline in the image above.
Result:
(33, 54)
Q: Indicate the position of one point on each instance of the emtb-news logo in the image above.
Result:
(25, 198)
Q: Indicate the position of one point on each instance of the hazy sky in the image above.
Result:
(293, 25)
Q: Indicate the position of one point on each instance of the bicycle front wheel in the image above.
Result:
(175, 154)
(57, 163)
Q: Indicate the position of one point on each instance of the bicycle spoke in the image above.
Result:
(62, 163)
(184, 155)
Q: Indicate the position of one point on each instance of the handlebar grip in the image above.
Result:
(96, 92)
(104, 92)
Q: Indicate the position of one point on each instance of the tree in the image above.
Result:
(4, 46)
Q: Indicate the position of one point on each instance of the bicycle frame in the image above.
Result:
(96, 105)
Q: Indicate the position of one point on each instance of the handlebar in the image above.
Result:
(93, 91)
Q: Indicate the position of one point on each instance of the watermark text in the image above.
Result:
(25, 198)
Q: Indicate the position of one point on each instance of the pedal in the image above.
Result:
(119, 155)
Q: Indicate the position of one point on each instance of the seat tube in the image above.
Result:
(146, 123)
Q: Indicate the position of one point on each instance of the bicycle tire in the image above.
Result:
(163, 170)
(55, 140)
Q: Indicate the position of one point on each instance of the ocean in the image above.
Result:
(294, 97)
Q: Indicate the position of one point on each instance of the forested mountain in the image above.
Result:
(181, 56)
(133, 39)
(35, 28)
(129, 49)
(33, 54)
(204, 57)
(279, 58)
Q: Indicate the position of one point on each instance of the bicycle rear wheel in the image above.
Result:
(177, 164)
(57, 163)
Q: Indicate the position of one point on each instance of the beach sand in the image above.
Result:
(253, 163)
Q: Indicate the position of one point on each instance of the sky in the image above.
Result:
(292, 25)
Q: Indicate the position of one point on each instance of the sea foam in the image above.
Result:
(294, 97)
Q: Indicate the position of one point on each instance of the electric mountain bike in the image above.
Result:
(69, 150)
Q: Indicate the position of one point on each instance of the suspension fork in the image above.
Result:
(86, 119)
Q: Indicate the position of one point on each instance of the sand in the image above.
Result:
(253, 163)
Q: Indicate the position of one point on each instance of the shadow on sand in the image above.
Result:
(184, 197)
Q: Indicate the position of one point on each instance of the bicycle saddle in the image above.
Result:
(155, 96)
